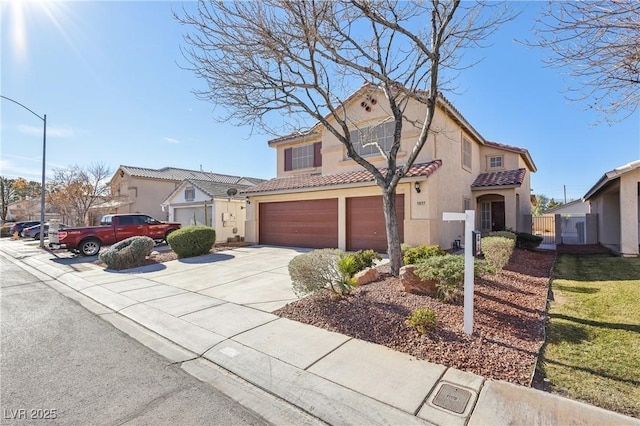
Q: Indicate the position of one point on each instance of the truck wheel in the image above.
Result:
(167, 234)
(90, 247)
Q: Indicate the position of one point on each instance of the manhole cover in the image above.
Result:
(452, 398)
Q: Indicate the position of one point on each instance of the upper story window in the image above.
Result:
(303, 157)
(369, 140)
(466, 153)
(190, 194)
(495, 162)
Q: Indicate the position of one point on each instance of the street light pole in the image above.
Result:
(44, 152)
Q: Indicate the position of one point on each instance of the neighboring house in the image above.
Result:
(615, 198)
(28, 210)
(198, 202)
(322, 198)
(143, 190)
(572, 207)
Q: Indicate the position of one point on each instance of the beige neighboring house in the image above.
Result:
(198, 202)
(143, 190)
(322, 198)
(615, 198)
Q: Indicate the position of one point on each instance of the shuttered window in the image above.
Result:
(303, 157)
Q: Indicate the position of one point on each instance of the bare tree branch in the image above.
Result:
(599, 45)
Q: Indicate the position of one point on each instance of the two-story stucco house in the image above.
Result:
(322, 198)
(143, 190)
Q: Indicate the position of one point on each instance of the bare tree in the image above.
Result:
(7, 195)
(301, 59)
(599, 44)
(74, 190)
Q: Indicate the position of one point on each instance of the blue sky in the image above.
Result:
(107, 75)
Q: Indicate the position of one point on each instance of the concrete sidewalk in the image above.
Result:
(215, 311)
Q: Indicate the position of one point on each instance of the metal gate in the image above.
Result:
(574, 229)
(545, 227)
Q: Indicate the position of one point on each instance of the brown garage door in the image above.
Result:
(310, 223)
(365, 223)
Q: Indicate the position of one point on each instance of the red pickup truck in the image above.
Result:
(113, 228)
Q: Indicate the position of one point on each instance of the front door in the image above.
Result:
(497, 216)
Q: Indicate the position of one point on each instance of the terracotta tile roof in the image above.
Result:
(315, 181)
(513, 177)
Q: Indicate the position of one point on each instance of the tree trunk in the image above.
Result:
(391, 224)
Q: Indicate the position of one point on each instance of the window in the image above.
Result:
(366, 141)
(190, 194)
(467, 204)
(485, 216)
(466, 153)
(495, 162)
(302, 157)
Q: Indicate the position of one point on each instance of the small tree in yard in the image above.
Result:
(302, 59)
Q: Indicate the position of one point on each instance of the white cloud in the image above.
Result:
(52, 131)
(171, 140)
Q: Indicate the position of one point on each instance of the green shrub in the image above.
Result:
(192, 240)
(498, 250)
(404, 247)
(528, 241)
(448, 270)
(504, 234)
(364, 259)
(127, 253)
(415, 254)
(421, 319)
(321, 269)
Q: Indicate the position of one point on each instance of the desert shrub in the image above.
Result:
(404, 247)
(498, 250)
(364, 259)
(415, 254)
(421, 319)
(504, 234)
(127, 253)
(528, 241)
(321, 269)
(192, 240)
(448, 271)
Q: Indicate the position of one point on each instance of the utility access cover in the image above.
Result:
(452, 398)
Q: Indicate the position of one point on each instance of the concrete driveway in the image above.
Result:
(255, 276)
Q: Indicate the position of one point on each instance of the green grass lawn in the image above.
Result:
(593, 335)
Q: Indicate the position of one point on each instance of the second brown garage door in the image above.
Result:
(365, 223)
(309, 223)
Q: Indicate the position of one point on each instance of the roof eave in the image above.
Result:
(495, 187)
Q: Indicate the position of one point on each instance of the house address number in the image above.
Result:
(422, 203)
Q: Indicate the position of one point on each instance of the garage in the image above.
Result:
(365, 223)
(308, 223)
(185, 215)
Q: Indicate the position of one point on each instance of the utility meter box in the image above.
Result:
(476, 241)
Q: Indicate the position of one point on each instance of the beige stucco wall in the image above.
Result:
(146, 194)
(629, 201)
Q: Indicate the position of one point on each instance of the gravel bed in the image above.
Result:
(509, 309)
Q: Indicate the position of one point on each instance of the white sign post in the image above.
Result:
(469, 217)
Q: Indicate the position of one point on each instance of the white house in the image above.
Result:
(198, 202)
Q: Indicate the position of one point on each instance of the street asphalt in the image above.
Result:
(212, 315)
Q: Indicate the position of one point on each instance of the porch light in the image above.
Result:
(416, 185)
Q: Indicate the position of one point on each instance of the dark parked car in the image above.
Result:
(19, 226)
(34, 231)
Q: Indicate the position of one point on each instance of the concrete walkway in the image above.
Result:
(216, 311)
